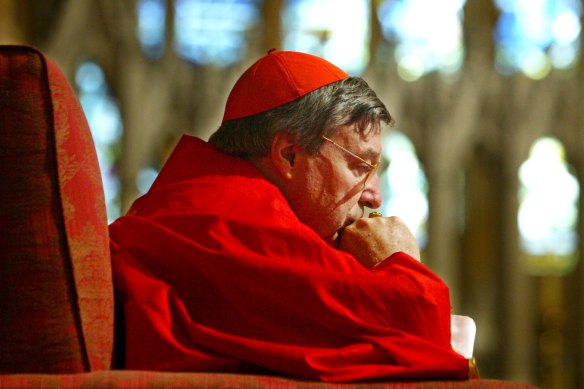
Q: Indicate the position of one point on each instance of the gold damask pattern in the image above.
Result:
(55, 275)
(84, 214)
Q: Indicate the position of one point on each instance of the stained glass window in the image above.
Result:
(404, 185)
(206, 32)
(534, 36)
(151, 27)
(104, 120)
(427, 35)
(548, 211)
(213, 31)
(335, 30)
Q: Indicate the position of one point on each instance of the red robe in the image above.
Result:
(216, 273)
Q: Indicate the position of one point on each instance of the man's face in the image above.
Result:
(328, 190)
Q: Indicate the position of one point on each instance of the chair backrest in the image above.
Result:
(56, 293)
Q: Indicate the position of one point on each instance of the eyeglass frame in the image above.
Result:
(372, 168)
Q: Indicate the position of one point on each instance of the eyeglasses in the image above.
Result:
(372, 168)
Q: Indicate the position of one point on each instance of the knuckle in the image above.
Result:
(395, 220)
(360, 222)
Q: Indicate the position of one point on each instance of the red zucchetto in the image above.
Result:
(276, 79)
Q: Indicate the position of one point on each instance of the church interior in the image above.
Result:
(484, 163)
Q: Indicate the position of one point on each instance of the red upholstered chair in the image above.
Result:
(56, 292)
(55, 279)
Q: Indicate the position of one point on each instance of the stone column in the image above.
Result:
(443, 227)
(517, 318)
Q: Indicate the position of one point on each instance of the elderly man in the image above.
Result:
(252, 253)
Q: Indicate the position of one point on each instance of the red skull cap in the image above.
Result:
(278, 78)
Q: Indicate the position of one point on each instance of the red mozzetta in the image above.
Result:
(216, 273)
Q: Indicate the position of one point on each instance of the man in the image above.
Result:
(252, 253)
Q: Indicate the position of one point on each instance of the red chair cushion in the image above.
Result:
(56, 293)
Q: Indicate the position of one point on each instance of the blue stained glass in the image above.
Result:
(532, 37)
(427, 35)
(548, 211)
(213, 31)
(152, 26)
(335, 30)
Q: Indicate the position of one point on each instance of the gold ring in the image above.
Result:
(375, 214)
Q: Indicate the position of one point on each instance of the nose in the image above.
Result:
(371, 195)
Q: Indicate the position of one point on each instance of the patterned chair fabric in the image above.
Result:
(166, 380)
(55, 275)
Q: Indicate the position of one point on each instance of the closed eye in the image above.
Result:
(362, 169)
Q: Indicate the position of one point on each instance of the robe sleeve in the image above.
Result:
(216, 273)
(205, 293)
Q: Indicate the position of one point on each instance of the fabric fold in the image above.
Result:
(217, 273)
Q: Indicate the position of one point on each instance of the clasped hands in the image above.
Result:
(372, 240)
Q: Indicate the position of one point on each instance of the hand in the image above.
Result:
(371, 240)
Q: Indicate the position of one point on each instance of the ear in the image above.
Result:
(283, 153)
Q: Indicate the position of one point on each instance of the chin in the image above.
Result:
(332, 238)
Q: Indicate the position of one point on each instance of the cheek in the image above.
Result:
(326, 197)
(344, 191)
(338, 201)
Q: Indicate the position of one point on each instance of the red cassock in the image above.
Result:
(216, 273)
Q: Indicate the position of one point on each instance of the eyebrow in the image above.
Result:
(368, 153)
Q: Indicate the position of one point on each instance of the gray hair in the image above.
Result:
(308, 118)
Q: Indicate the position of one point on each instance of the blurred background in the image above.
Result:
(485, 161)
